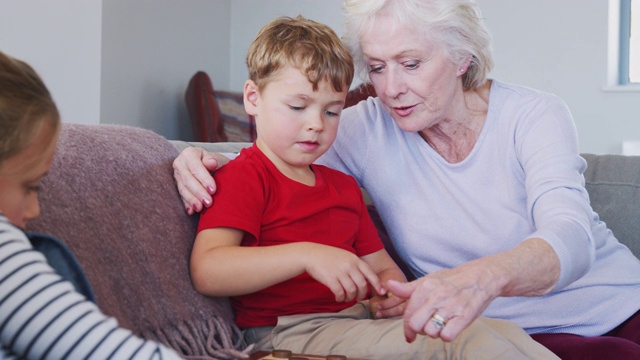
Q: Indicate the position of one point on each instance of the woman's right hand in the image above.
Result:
(192, 172)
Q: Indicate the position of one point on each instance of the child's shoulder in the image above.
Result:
(334, 175)
(246, 160)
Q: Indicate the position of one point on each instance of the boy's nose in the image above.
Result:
(315, 123)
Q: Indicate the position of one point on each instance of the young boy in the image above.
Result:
(291, 242)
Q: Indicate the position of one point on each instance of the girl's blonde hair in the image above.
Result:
(25, 106)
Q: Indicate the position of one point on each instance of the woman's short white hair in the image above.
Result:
(456, 25)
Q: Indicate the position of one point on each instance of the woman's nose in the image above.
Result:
(393, 84)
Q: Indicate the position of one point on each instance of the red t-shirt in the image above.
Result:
(252, 195)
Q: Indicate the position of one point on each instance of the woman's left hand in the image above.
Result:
(442, 304)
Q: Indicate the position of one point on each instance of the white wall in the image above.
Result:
(559, 46)
(249, 16)
(128, 62)
(150, 51)
(61, 41)
(120, 61)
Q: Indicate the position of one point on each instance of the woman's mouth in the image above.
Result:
(403, 110)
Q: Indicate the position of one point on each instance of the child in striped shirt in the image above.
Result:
(41, 315)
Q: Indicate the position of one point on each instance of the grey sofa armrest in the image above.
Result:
(613, 183)
(221, 147)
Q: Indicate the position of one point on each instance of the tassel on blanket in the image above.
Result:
(212, 339)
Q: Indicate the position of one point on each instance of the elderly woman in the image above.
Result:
(480, 184)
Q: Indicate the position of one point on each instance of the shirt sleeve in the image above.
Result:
(42, 316)
(239, 201)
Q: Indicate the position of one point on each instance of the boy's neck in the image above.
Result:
(302, 174)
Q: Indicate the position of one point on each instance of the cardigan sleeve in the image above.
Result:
(557, 201)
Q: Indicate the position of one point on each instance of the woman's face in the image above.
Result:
(413, 78)
(20, 177)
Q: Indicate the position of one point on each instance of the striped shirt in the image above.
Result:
(43, 317)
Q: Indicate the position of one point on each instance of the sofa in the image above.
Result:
(110, 196)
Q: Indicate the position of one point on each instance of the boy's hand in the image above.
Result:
(345, 274)
(387, 306)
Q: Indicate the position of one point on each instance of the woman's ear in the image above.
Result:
(464, 65)
(251, 95)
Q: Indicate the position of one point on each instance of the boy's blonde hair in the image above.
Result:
(25, 106)
(304, 44)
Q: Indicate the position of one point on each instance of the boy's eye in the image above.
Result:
(331, 113)
(296, 108)
(33, 188)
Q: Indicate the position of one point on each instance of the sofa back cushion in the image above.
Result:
(111, 197)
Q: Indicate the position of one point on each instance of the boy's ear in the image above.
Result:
(251, 95)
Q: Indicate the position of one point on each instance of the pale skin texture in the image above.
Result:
(295, 126)
(20, 177)
(422, 90)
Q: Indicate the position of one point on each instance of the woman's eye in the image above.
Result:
(375, 69)
(296, 108)
(33, 188)
(331, 113)
(412, 65)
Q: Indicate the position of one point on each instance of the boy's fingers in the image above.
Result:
(372, 279)
(338, 291)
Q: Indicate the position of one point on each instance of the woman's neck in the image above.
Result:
(455, 137)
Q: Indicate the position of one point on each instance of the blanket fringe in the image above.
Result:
(210, 339)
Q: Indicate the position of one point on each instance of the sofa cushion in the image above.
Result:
(613, 183)
(111, 197)
(203, 110)
(238, 125)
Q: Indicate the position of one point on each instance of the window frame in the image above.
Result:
(618, 48)
(625, 34)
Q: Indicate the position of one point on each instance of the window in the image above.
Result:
(629, 41)
(624, 45)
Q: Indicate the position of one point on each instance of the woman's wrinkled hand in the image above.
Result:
(443, 303)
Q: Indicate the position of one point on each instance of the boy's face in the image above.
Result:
(295, 124)
(20, 178)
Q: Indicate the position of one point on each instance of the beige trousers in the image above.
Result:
(354, 333)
